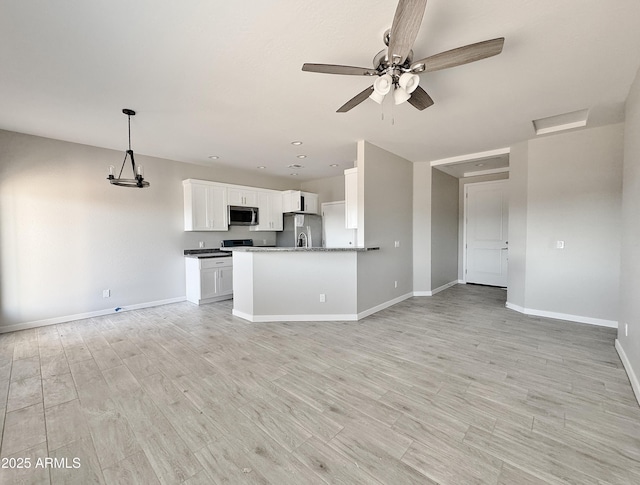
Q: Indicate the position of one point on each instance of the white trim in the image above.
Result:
(556, 128)
(83, 316)
(563, 316)
(384, 305)
(633, 378)
(295, 318)
(462, 282)
(485, 172)
(465, 199)
(444, 287)
(329, 317)
(422, 293)
(471, 156)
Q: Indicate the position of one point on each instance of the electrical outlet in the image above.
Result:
(395, 284)
(560, 244)
(397, 244)
(626, 329)
(106, 293)
(201, 244)
(323, 298)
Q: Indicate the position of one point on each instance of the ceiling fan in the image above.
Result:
(394, 66)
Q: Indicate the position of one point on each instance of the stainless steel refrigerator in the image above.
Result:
(300, 231)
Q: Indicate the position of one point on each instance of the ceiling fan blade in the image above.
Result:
(356, 100)
(420, 99)
(335, 69)
(404, 29)
(459, 56)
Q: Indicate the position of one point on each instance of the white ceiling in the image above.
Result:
(212, 77)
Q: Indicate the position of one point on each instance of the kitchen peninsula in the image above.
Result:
(297, 284)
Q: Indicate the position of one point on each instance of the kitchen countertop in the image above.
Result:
(258, 249)
(205, 253)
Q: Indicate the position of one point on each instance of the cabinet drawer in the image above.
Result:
(215, 263)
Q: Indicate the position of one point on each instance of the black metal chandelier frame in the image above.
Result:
(138, 181)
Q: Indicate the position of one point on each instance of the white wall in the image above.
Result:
(630, 252)
(384, 187)
(573, 194)
(66, 233)
(444, 229)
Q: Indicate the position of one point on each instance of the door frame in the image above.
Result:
(464, 223)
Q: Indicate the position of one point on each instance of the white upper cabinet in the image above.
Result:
(270, 211)
(243, 196)
(351, 198)
(297, 201)
(205, 206)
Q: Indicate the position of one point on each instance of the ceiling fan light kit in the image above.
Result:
(395, 67)
(138, 172)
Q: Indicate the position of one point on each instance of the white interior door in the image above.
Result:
(486, 231)
(335, 233)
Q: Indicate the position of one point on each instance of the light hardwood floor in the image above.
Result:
(452, 389)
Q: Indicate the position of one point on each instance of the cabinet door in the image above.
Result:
(205, 207)
(225, 280)
(275, 209)
(310, 203)
(208, 283)
(199, 207)
(264, 213)
(218, 209)
(242, 197)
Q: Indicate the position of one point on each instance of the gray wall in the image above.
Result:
(66, 233)
(573, 193)
(330, 189)
(462, 182)
(422, 227)
(384, 186)
(444, 229)
(630, 271)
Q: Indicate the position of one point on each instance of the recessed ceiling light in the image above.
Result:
(302, 156)
(293, 174)
(333, 165)
(479, 164)
(295, 165)
(214, 157)
(262, 167)
(296, 143)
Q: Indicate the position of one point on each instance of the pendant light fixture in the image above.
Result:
(138, 172)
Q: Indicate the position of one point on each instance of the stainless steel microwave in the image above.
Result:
(243, 216)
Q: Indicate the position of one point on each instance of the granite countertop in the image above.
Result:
(205, 253)
(258, 249)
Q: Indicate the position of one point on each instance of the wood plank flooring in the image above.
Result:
(453, 389)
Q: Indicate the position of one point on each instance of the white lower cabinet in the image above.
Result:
(209, 279)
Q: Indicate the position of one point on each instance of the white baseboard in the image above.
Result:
(83, 316)
(563, 316)
(437, 290)
(633, 378)
(384, 305)
(329, 317)
(295, 318)
(462, 282)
